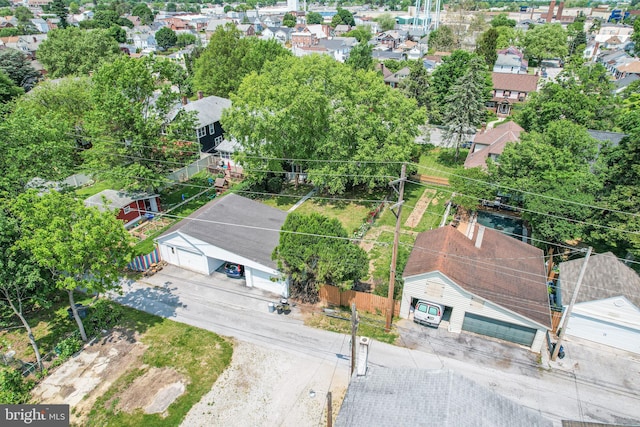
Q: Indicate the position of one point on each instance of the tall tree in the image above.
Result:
(16, 65)
(545, 42)
(72, 51)
(8, 89)
(60, 9)
(443, 78)
(23, 286)
(470, 186)
(442, 39)
(315, 250)
(386, 21)
(82, 248)
(502, 20)
(487, 47)
(142, 11)
(228, 58)
(314, 108)
(166, 37)
(134, 141)
(582, 94)
(555, 169)
(343, 17)
(360, 57)
(289, 20)
(314, 18)
(465, 106)
(416, 84)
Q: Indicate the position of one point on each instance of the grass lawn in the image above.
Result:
(381, 256)
(371, 325)
(288, 197)
(199, 355)
(439, 161)
(412, 194)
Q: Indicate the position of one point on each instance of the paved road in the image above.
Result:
(595, 385)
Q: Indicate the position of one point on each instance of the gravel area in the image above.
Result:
(263, 386)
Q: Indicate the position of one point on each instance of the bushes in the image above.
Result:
(14, 389)
(69, 346)
(104, 315)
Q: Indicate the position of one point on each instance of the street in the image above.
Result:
(592, 383)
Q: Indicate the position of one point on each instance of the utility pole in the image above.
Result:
(354, 330)
(329, 410)
(396, 238)
(570, 308)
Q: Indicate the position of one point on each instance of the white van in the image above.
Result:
(428, 313)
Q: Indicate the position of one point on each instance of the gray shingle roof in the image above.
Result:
(420, 397)
(115, 199)
(605, 277)
(208, 109)
(237, 224)
(605, 136)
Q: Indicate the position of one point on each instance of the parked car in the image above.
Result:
(234, 271)
(467, 144)
(428, 313)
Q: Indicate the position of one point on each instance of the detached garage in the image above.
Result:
(493, 284)
(607, 306)
(229, 229)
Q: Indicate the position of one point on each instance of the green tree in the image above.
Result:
(73, 51)
(554, 168)
(133, 100)
(229, 58)
(166, 37)
(22, 14)
(465, 105)
(508, 36)
(386, 21)
(315, 250)
(314, 108)
(343, 17)
(442, 39)
(74, 7)
(145, 14)
(171, 7)
(289, 20)
(443, 78)
(23, 286)
(360, 57)
(60, 9)
(619, 221)
(487, 45)
(314, 18)
(82, 248)
(417, 83)
(8, 89)
(581, 94)
(635, 36)
(361, 33)
(502, 20)
(16, 65)
(545, 41)
(118, 33)
(185, 39)
(471, 186)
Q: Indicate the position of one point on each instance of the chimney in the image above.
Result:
(200, 94)
(479, 236)
(552, 6)
(185, 101)
(559, 14)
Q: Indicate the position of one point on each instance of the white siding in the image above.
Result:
(440, 289)
(262, 280)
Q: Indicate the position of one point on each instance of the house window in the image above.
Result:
(126, 209)
(202, 132)
(506, 93)
(521, 96)
(217, 141)
(212, 129)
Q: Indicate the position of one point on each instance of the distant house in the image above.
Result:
(510, 60)
(341, 29)
(247, 30)
(208, 112)
(509, 89)
(338, 47)
(607, 309)
(282, 34)
(131, 207)
(491, 285)
(490, 144)
(394, 79)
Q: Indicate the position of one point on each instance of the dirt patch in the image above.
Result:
(167, 384)
(420, 208)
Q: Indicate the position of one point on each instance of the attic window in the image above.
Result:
(126, 209)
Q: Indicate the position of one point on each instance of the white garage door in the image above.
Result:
(192, 261)
(262, 280)
(607, 333)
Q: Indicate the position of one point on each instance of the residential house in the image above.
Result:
(491, 285)
(208, 112)
(394, 79)
(247, 30)
(606, 31)
(338, 47)
(509, 89)
(130, 208)
(142, 41)
(36, 5)
(607, 309)
(213, 24)
(27, 44)
(176, 23)
(304, 38)
(490, 144)
(8, 22)
(231, 229)
(510, 60)
(272, 21)
(41, 25)
(419, 397)
(389, 39)
(282, 34)
(340, 30)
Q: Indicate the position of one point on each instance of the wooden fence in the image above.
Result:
(556, 316)
(364, 301)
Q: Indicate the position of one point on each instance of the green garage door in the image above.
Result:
(498, 329)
